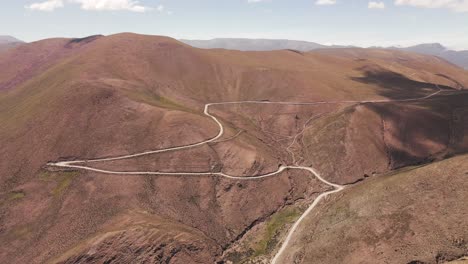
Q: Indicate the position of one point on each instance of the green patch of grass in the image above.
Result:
(11, 197)
(62, 183)
(63, 180)
(45, 175)
(16, 195)
(273, 227)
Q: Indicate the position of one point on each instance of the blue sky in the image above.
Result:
(354, 22)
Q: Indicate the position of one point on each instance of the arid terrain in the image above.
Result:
(457, 57)
(141, 149)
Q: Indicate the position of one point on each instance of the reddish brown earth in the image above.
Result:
(126, 93)
(7, 46)
(415, 215)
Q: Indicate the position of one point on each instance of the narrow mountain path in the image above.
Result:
(83, 164)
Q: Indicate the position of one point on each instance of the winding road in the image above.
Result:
(82, 164)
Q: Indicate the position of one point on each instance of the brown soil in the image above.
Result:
(415, 215)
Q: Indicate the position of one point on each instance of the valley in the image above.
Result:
(246, 157)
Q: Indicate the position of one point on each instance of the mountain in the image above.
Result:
(9, 39)
(459, 58)
(386, 209)
(8, 42)
(430, 49)
(255, 44)
(164, 158)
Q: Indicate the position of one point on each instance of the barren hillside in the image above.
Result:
(98, 97)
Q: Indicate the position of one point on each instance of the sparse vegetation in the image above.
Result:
(16, 195)
(12, 196)
(62, 184)
(63, 179)
(273, 227)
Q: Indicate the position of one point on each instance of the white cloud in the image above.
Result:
(98, 5)
(455, 5)
(49, 5)
(162, 9)
(325, 2)
(376, 5)
(256, 1)
(113, 5)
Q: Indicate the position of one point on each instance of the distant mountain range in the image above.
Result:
(459, 58)
(8, 42)
(257, 44)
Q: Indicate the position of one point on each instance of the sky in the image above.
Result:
(345, 22)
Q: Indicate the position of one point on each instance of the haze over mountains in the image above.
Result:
(256, 44)
(8, 42)
(459, 58)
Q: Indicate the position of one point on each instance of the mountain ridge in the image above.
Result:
(459, 58)
(246, 44)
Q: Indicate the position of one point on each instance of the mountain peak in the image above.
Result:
(428, 48)
(431, 45)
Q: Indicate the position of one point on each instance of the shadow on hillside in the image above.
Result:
(459, 86)
(422, 131)
(395, 85)
(82, 41)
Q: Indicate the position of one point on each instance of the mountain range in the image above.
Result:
(257, 44)
(459, 58)
(132, 148)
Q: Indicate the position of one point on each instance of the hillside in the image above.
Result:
(459, 58)
(409, 216)
(98, 97)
